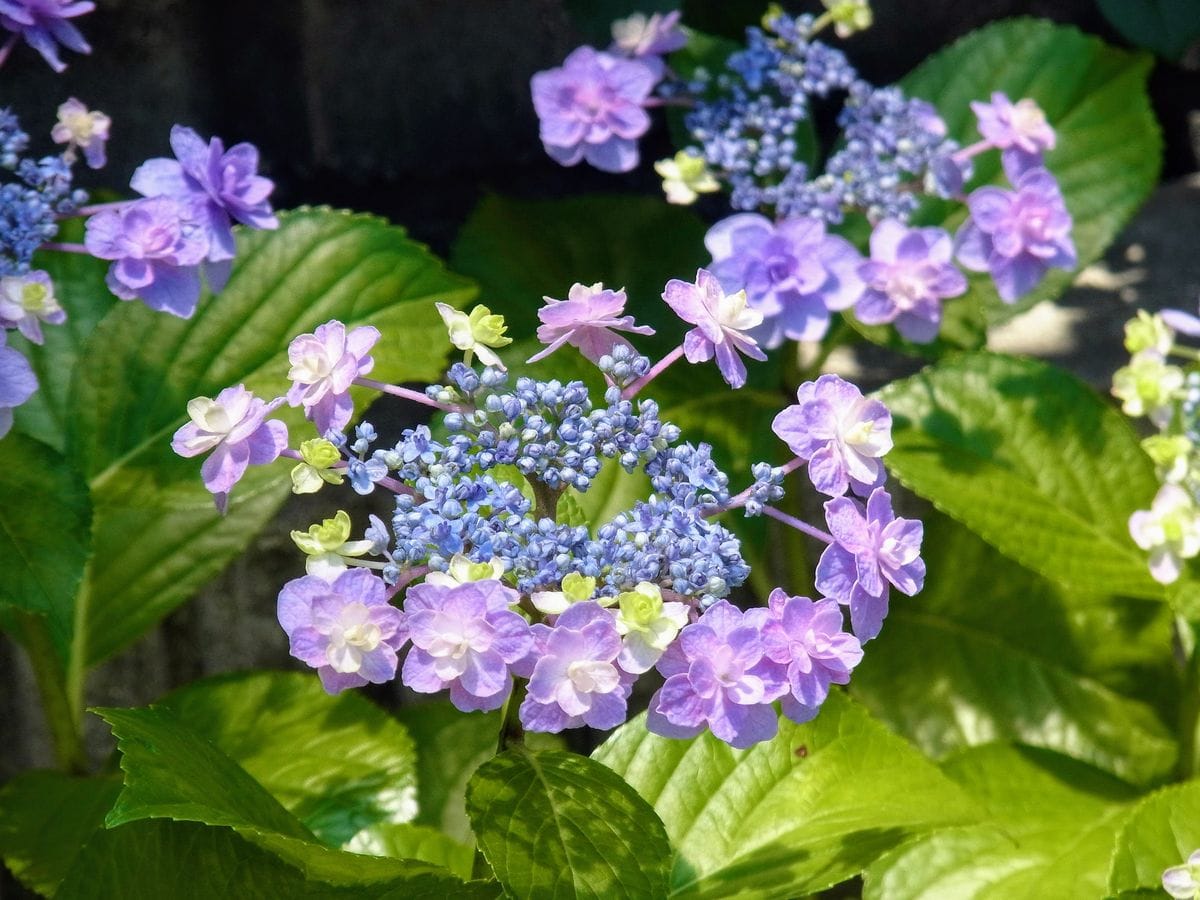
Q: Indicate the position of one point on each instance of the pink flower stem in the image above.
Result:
(652, 102)
(803, 527)
(7, 48)
(406, 393)
(972, 150)
(396, 487)
(407, 577)
(659, 367)
(97, 207)
(65, 248)
(739, 500)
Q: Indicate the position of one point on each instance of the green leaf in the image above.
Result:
(1032, 460)
(1048, 831)
(553, 824)
(1109, 150)
(339, 764)
(569, 511)
(450, 747)
(975, 658)
(408, 841)
(158, 537)
(80, 289)
(1168, 27)
(152, 860)
(788, 817)
(1162, 832)
(45, 535)
(45, 818)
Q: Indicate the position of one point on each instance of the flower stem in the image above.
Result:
(65, 247)
(98, 207)
(972, 150)
(406, 393)
(810, 530)
(659, 367)
(8, 46)
(407, 577)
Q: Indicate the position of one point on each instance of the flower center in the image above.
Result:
(592, 676)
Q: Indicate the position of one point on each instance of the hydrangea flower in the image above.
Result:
(79, 127)
(234, 426)
(685, 177)
(592, 108)
(477, 332)
(28, 300)
(849, 16)
(44, 26)
(327, 546)
(221, 186)
(1152, 332)
(344, 628)
(324, 365)
(573, 675)
(717, 678)
(648, 626)
(792, 271)
(576, 588)
(156, 253)
(909, 274)
(871, 549)
(315, 469)
(1019, 129)
(723, 322)
(588, 319)
(639, 35)
(1169, 530)
(1017, 235)
(1148, 386)
(807, 639)
(842, 434)
(1183, 882)
(17, 382)
(463, 571)
(466, 639)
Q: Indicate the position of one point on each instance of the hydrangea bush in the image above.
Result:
(662, 601)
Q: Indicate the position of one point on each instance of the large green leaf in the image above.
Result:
(408, 841)
(339, 764)
(1162, 832)
(977, 658)
(1048, 831)
(158, 536)
(45, 535)
(789, 817)
(45, 817)
(553, 824)
(157, 859)
(1032, 460)
(79, 287)
(1109, 149)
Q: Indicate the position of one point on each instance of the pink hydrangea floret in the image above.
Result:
(588, 319)
(324, 365)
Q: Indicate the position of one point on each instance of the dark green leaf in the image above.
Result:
(158, 536)
(45, 818)
(1032, 460)
(553, 824)
(339, 764)
(789, 817)
(1168, 27)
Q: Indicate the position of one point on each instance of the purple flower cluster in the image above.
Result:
(44, 26)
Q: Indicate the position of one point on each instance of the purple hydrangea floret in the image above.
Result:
(588, 319)
(465, 638)
(1018, 129)
(345, 629)
(573, 675)
(872, 549)
(592, 109)
(324, 365)
(717, 677)
(909, 274)
(840, 433)
(649, 38)
(223, 186)
(235, 428)
(17, 382)
(1017, 235)
(724, 323)
(156, 253)
(43, 25)
(26, 301)
(807, 639)
(792, 271)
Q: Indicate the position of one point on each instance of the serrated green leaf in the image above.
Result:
(45, 535)
(553, 824)
(1048, 831)
(408, 841)
(789, 817)
(339, 764)
(1162, 832)
(976, 658)
(1107, 158)
(1032, 460)
(158, 537)
(45, 818)
(450, 747)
